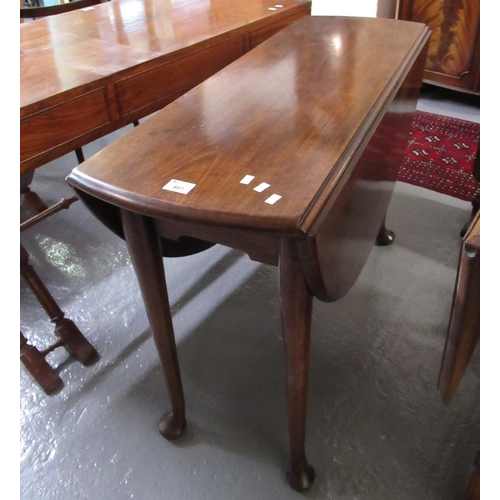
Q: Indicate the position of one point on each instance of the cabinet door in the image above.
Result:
(453, 57)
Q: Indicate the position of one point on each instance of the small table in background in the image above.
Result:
(87, 73)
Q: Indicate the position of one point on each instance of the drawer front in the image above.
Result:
(261, 34)
(57, 125)
(143, 89)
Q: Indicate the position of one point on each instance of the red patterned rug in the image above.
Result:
(440, 155)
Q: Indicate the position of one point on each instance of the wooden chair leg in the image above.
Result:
(145, 252)
(34, 361)
(296, 311)
(72, 339)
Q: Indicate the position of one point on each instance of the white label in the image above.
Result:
(271, 8)
(278, 5)
(247, 179)
(179, 186)
(261, 187)
(273, 199)
(87, 8)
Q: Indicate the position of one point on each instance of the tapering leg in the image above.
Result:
(144, 247)
(385, 236)
(296, 310)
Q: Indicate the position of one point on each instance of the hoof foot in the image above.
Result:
(385, 237)
(171, 427)
(302, 478)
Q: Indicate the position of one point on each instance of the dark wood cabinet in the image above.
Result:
(453, 57)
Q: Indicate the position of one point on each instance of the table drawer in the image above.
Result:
(143, 89)
(55, 126)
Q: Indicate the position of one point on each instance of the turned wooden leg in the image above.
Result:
(145, 252)
(35, 362)
(72, 339)
(296, 310)
(385, 236)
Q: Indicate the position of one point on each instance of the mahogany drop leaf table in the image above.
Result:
(289, 154)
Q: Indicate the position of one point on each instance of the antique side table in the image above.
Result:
(289, 154)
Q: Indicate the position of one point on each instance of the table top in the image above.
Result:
(71, 50)
(292, 113)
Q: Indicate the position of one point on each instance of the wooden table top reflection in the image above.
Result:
(89, 72)
(289, 154)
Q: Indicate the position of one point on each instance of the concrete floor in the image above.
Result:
(377, 428)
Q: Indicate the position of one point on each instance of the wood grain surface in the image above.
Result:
(292, 113)
(88, 72)
(454, 54)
